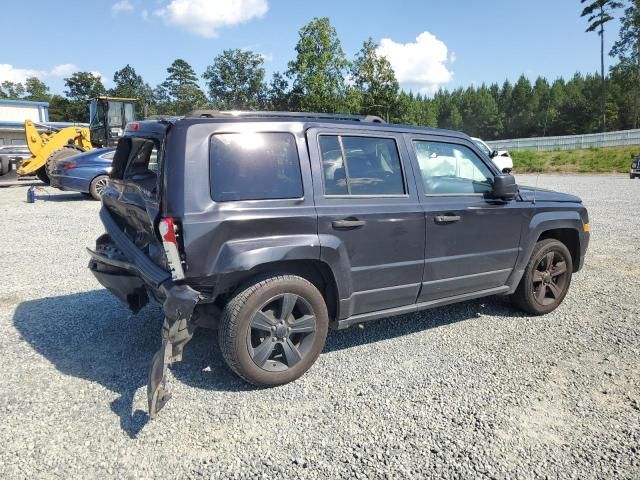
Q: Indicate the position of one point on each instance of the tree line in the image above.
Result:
(322, 79)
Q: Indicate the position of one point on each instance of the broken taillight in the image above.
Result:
(169, 233)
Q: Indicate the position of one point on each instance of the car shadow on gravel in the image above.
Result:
(401, 325)
(91, 336)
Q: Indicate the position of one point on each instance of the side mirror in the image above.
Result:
(494, 154)
(504, 187)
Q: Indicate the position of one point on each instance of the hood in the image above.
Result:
(543, 195)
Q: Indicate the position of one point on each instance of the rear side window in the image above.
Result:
(361, 166)
(254, 166)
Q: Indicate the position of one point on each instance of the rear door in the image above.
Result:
(472, 241)
(369, 212)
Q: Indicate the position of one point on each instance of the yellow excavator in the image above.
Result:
(108, 117)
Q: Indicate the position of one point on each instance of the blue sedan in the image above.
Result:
(86, 172)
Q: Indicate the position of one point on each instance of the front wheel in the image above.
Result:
(273, 331)
(546, 278)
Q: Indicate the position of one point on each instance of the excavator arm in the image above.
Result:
(43, 145)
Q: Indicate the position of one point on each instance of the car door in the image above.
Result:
(369, 215)
(472, 240)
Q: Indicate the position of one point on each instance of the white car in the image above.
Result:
(501, 158)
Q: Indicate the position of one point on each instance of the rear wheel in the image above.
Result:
(273, 331)
(546, 279)
(97, 186)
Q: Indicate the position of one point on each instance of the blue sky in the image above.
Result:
(467, 42)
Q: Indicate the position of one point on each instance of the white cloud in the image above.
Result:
(8, 73)
(121, 6)
(64, 70)
(12, 74)
(145, 14)
(452, 57)
(422, 64)
(206, 17)
(267, 57)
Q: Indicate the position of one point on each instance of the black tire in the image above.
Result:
(60, 154)
(288, 355)
(41, 173)
(96, 189)
(543, 286)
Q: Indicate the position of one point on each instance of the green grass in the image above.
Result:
(591, 160)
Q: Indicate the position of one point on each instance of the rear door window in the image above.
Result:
(254, 166)
(368, 166)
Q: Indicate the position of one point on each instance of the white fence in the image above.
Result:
(570, 142)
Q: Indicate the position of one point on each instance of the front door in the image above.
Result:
(472, 241)
(369, 214)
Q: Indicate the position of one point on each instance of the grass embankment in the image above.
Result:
(591, 160)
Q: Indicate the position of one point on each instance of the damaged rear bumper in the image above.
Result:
(121, 267)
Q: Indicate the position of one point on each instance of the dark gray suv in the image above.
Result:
(274, 227)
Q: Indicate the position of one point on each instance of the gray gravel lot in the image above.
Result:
(470, 390)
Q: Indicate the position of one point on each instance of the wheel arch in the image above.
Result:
(569, 237)
(314, 271)
(564, 226)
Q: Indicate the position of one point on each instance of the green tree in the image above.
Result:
(180, 89)
(235, 80)
(375, 80)
(627, 49)
(60, 109)
(81, 86)
(11, 90)
(521, 108)
(599, 13)
(319, 68)
(278, 94)
(483, 114)
(36, 90)
(128, 84)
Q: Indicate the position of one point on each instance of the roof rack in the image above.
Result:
(266, 114)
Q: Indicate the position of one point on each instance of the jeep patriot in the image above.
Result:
(274, 227)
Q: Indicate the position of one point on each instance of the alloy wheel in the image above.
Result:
(281, 332)
(100, 186)
(550, 278)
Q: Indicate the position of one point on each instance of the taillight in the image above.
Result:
(69, 166)
(168, 231)
(133, 126)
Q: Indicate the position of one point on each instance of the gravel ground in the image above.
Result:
(470, 390)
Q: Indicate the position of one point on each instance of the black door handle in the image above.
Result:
(347, 224)
(446, 218)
